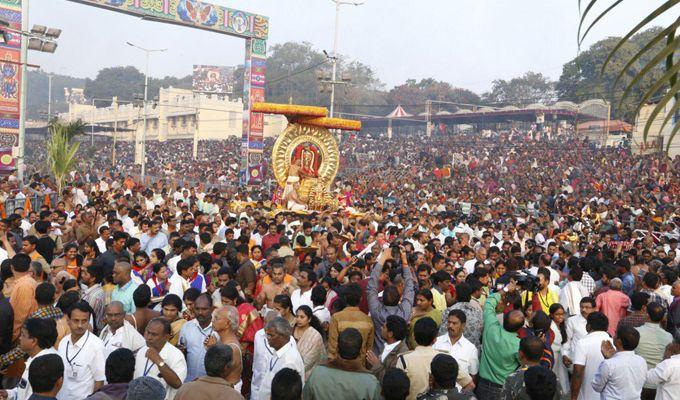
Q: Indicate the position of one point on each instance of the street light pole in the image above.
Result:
(22, 91)
(49, 96)
(146, 94)
(338, 3)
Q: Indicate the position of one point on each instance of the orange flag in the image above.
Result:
(27, 207)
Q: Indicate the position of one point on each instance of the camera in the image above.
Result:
(527, 281)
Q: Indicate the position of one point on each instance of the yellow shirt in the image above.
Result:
(550, 299)
(438, 300)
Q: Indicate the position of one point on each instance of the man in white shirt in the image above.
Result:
(83, 356)
(104, 235)
(80, 197)
(179, 282)
(576, 328)
(666, 377)
(159, 359)
(303, 295)
(622, 374)
(285, 355)
(588, 356)
(37, 339)
(480, 255)
(455, 344)
(262, 355)
(572, 293)
(119, 333)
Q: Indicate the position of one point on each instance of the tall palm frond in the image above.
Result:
(61, 154)
(72, 128)
(655, 50)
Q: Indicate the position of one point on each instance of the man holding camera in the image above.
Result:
(542, 296)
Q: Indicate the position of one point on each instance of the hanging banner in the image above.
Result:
(192, 13)
(252, 166)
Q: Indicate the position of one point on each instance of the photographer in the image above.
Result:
(540, 297)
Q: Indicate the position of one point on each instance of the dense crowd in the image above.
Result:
(488, 266)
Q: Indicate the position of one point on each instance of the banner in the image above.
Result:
(213, 79)
(193, 13)
(253, 167)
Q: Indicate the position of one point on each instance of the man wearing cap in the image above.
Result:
(145, 388)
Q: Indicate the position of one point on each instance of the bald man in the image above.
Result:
(125, 287)
(119, 333)
(225, 322)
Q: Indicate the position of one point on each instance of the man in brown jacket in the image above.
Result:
(218, 362)
(351, 317)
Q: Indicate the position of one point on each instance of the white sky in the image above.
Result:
(468, 43)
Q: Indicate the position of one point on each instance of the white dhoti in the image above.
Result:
(288, 190)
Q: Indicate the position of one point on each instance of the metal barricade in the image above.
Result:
(33, 202)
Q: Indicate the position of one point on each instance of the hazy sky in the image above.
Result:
(465, 42)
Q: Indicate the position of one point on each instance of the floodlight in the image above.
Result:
(35, 44)
(39, 30)
(53, 33)
(49, 47)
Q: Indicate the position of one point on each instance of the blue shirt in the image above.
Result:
(149, 243)
(192, 336)
(124, 295)
(628, 283)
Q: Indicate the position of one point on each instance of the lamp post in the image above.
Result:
(49, 96)
(333, 82)
(146, 94)
(39, 38)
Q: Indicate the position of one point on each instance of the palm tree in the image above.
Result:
(662, 48)
(61, 153)
(72, 128)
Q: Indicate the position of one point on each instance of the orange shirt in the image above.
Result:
(23, 301)
(286, 279)
(73, 268)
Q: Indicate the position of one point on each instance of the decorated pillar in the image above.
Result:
(10, 100)
(252, 145)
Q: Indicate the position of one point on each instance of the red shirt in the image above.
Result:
(269, 240)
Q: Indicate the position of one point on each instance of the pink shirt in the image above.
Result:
(614, 304)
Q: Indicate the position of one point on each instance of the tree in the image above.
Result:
(583, 77)
(529, 88)
(61, 153)
(293, 70)
(639, 78)
(125, 82)
(415, 94)
(292, 74)
(37, 93)
(71, 128)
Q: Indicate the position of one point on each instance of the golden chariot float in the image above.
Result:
(305, 157)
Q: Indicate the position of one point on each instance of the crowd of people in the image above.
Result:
(531, 269)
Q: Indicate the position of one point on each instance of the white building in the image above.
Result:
(655, 136)
(178, 114)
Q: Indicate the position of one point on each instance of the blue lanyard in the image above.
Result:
(271, 366)
(147, 368)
